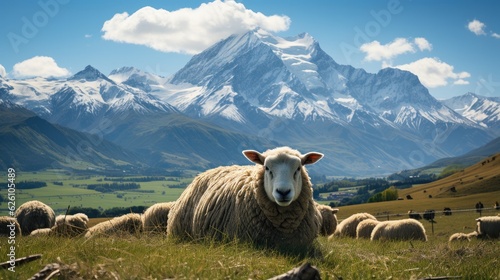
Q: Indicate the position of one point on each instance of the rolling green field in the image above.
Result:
(73, 193)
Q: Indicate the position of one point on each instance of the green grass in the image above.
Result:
(156, 257)
(60, 197)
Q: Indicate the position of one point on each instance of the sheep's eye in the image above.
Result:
(267, 168)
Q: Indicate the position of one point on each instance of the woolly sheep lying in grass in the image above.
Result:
(268, 204)
(124, 225)
(406, 229)
(33, 215)
(365, 228)
(460, 236)
(328, 219)
(488, 226)
(348, 226)
(66, 225)
(70, 225)
(9, 225)
(155, 218)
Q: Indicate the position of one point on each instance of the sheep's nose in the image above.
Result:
(283, 192)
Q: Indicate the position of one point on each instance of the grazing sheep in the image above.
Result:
(460, 236)
(406, 229)
(9, 226)
(155, 218)
(70, 225)
(365, 228)
(41, 232)
(126, 224)
(447, 211)
(34, 215)
(429, 215)
(348, 226)
(488, 226)
(329, 219)
(268, 204)
(414, 215)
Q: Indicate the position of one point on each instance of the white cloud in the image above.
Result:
(39, 66)
(434, 73)
(476, 27)
(188, 30)
(377, 52)
(495, 35)
(423, 44)
(3, 73)
(88, 36)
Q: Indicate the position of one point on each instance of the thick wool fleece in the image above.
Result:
(230, 202)
(130, 223)
(155, 218)
(33, 215)
(406, 229)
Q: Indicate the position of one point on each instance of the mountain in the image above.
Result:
(137, 78)
(257, 90)
(291, 91)
(483, 110)
(91, 102)
(82, 101)
(32, 143)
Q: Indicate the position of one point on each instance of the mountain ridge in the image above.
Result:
(266, 89)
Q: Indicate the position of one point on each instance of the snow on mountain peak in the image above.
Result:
(90, 74)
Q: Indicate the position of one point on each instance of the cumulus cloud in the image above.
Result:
(495, 35)
(3, 73)
(476, 27)
(39, 66)
(188, 30)
(434, 73)
(423, 44)
(377, 52)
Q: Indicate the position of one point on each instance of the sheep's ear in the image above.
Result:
(335, 210)
(310, 158)
(254, 156)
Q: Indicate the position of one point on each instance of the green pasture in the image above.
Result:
(73, 193)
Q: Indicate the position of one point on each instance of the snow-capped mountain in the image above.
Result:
(295, 79)
(81, 100)
(480, 109)
(136, 78)
(258, 90)
(290, 90)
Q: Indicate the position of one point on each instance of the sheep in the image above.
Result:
(488, 226)
(269, 204)
(414, 215)
(365, 228)
(70, 225)
(41, 232)
(34, 215)
(348, 226)
(9, 226)
(406, 229)
(126, 224)
(155, 218)
(329, 219)
(460, 236)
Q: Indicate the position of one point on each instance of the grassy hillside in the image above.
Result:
(482, 177)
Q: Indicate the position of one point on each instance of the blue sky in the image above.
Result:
(453, 46)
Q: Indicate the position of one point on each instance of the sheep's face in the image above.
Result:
(283, 174)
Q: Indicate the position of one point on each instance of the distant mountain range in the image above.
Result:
(257, 91)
